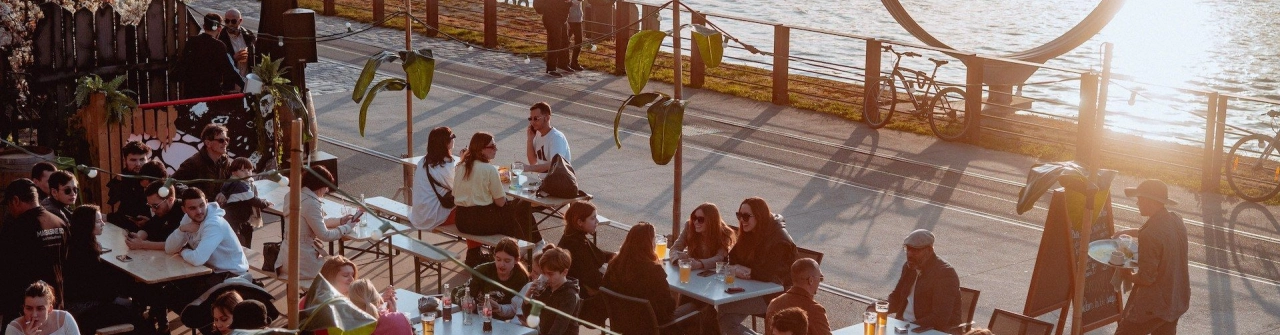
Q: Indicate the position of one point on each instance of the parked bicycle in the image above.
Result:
(1253, 164)
(943, 107)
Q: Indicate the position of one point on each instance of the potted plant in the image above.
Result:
(91, 91)
(268, 87)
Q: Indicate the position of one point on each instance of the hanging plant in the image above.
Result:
(276, 92)
(118, 105)
(419, 68)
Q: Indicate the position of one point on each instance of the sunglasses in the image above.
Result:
(154, 206)
(230, 21)
(699, 219)
(70, 190)
(536, 118)
(744, 216)
(223, 140)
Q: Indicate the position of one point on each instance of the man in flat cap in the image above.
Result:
(928, 291)
(1161, 287)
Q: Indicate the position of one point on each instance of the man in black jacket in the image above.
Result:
(206, 69)
(32, 244)
(239, 42)
(555, 18)
(928, 291)
(211, 162)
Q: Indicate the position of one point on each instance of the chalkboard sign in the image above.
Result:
(1050, 287)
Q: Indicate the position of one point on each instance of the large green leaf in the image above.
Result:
(710, 45)
(370, 69)
(666, 118)
(1074, 178)
(639, 100)
(419, 68)
(642, 50)
(389, 84)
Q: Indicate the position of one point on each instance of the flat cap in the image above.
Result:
(919, 239)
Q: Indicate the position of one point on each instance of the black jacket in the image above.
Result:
(587, 259)
(770, 260)
(937, 294)
(200, 166)
(206, 70)
(249, 39)
(644, 281)
(126, 194)
(565, 299)
(552, 10)
(32, 247)
(243, 201)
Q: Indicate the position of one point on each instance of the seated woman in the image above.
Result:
(637, 272)
(223, 308)
(340, 272)
(579, 221)
(90, 287)
(706, 239)
(38, 315)
(434, 179)
(764, 252)
(316, 229)
(557, 291)
(481, 199)
(390, 322)
(507, 271)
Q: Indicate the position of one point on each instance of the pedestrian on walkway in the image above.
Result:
(575, 33)
(544, 142)
(928, 290)
(1162, 288)
(555, 19)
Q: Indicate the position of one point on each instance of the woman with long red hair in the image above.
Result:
(705, 239)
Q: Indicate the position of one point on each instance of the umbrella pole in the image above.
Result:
(295, 193)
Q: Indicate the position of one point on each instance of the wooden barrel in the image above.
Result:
(16, 163)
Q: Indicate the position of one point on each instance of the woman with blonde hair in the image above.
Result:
(481, 199)
(390, 322)
(706, 239)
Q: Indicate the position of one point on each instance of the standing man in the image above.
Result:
(805, 277)
(928, 290)
(206, 69)
(555, 19)
(574, 37)
(126, 193)
(32, 246)
(239, 42)
(211, 162)
(544, 142)
(40, 176)
(1161, 287)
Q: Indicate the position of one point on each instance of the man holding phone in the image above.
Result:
(544, 142)
(124, 192)
(150, 233)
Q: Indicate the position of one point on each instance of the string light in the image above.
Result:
(535, 314)
(526, 59)
(281, 42)
(593, 47)
(163, 192)
(348, 27)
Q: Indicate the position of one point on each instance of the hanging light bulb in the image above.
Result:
(280, 42)
(348, 27)
(93, 173)
(164, 191)
(594, 47)
(526, 59)
(534, 314)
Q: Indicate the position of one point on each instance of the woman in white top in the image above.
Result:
(316, 229)
(38, 315)
(432, 180)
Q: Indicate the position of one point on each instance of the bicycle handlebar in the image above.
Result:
(1272, 113)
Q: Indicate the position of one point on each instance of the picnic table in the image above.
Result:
(278, 195)
(549, 207)
(407, 303)
(711, 290)
(147, 266)
(857, 329)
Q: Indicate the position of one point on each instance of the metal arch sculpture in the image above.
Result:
(1001, 73)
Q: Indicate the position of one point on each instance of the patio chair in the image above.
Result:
(634, 316)
(1009, 323)
(968, 302)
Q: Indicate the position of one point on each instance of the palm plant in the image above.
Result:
(277, 92)
(119, 106)
(419, 67)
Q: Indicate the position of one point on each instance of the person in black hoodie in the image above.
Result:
(33, 244)
(555, 18)
(241, 201)
(637, 272)
(764, 252)
(91, 285)
(579, 221)
(125, 193)
(556, 290)
(206, 69)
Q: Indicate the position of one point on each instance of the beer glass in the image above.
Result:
(869, 323)
(882, 313)
(686, 268)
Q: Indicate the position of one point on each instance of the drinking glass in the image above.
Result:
(661, 247)
(686, 267)
(720, 269)
(882, 313)
(869, 323)
(517, 168)
(429, 323)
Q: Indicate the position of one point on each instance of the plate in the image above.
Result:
(1100, 251)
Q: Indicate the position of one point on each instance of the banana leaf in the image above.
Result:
(710, 45)
(389, 84)
(666, 118)
(1074, 179)
(638, 100)
(642, 50)
(370, 69)
(329, 312)
(419, 68)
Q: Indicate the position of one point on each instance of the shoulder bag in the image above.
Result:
(560, 182)
(446, 200)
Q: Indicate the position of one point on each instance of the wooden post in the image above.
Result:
(1220, 141)
(973, 97)
(295, 193)
(1208, 176)
(407, 171)
(433, 17)
(697, 69)
(490, 23)
(677, 94)
(379, 10)
(328, 8)
(871, 75)
(1082, 261)
(621, 37)
(1086, 140)
(781, 63)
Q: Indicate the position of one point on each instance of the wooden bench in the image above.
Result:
(116, 329)
(424, 257)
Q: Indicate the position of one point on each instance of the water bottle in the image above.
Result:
(467, 304)
(446, 305)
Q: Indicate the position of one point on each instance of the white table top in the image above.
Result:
(418, 248)
(856, 329)
(390, 207)
(147, 266)
(407, 303)
(710, 290)
(278, 196)
(528, 193)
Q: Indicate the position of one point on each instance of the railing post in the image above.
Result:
(433, 17)
(622, 17)
(781, 59)
(697, 69)
(490, 23)
(1085, 124)
(973, 97)
(379, 10)
(651, 21)
(328, 8)
(871, 75)
(1221, 134)
(1208, 175)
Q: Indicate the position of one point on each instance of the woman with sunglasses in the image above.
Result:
(433, 180)
(481, 199)
(706, 238)
(764, 252)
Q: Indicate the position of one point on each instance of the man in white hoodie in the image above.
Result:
(204, 239)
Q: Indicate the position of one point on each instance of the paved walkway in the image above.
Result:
(847, 191)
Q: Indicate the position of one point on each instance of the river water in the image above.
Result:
(1227, 46)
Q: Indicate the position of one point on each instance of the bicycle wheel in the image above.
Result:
(1253, 168)
(947, 116)
(886, 98)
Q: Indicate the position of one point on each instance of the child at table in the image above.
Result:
(240, 199)
(390, 322)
